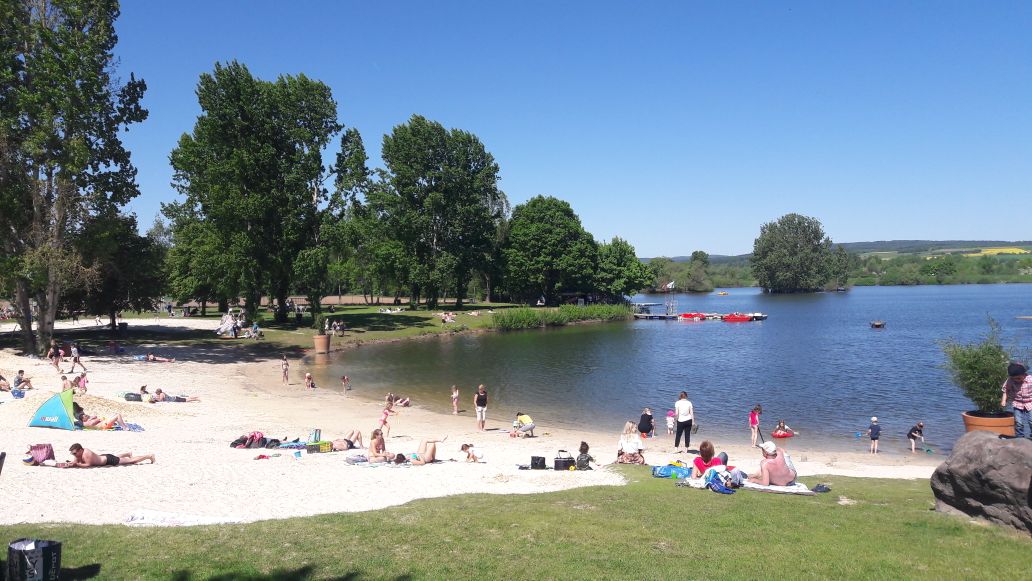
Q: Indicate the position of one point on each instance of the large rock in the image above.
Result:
(989, 478)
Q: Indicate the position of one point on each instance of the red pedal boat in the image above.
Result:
(736, 318)
(692, 316)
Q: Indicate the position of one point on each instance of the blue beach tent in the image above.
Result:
(56, 412)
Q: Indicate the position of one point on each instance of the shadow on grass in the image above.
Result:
(382, 321)
(69, 573)
(306, 572)
(197, 345)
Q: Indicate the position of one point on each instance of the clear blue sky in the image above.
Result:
(675, 125)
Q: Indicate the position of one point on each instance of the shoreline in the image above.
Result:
(199, 475)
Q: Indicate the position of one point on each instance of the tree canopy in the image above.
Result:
(792, 254)
(62, 161)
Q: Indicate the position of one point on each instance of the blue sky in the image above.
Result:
(678, 126)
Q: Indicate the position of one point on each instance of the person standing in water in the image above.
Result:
(455, 400)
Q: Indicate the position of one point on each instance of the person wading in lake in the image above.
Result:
(480, 403)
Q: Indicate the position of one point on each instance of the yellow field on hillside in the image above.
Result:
(1002, 250)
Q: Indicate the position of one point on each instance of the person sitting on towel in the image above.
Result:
(707, 459)
(774, 468)
(85, 458)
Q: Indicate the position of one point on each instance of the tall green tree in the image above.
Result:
(62, 161)
(548, 252)
(441, 201)
(129, 267)
(619, 272)
(252, 170)
(792, 254)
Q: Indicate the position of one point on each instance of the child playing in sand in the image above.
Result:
(584, 459)
(309, 382)
(754, 423)
(670, 422)
(874, 431)
(455, 400)
(388, 410)
(472, 454)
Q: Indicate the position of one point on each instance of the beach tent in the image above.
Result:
(56, 412)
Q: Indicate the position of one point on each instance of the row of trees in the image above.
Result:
(262, 216)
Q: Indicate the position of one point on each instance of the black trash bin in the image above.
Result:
(33, 560)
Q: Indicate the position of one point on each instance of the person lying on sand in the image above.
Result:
(151, 357)
(96, 422)
(426, 453)
(4, 386)
(350, 441)
(85, 458)
(162, 396)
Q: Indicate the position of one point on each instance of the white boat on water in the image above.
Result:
(758, 316)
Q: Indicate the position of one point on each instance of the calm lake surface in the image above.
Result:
(815, 362)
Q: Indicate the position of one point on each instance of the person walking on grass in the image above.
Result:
(685, 417)
(874, 431)
(480, 403)
(1018, 388)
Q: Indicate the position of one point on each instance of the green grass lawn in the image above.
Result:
(649, 529)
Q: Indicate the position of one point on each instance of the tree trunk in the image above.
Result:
(223, 305)
(204, 307)
(281, 305)
(21, 297)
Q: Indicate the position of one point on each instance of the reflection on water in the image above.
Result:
(815, 362)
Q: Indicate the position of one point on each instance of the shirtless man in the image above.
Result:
(774, 470)
(85, 458)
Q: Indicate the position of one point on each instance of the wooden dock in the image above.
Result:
(651, 317)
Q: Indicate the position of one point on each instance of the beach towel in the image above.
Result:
(156, 518)
(795, 488)
(671, 471)
(132, 428)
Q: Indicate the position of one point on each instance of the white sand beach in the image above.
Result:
(197, 474)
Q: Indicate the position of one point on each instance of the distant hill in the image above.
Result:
(901, 246)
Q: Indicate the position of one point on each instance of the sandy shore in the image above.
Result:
(198, 474)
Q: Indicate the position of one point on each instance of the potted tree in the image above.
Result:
(979, 370)
(321, 339)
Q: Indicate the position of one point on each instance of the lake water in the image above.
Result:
(815, 362)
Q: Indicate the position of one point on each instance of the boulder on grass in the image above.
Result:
(989, 478)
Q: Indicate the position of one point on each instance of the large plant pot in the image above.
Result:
(1002, 423)
(322, 344)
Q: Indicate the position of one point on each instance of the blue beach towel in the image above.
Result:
(671, 471)
(132, 428)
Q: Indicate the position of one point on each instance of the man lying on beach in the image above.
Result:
(162, 396)
(151, 357)
(350, 441)
(774, 468)
(85, 458)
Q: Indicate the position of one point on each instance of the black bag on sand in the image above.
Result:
(537, 462)
(32, 559)
(563, 460)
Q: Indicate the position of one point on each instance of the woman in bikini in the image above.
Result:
(425, 454)
(455, 400)
(377, 447)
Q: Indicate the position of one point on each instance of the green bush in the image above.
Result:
(979, 369)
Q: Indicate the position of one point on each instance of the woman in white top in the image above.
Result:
(685, 416)
(629, 451)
